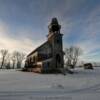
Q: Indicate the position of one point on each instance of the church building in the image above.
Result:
(48, 57)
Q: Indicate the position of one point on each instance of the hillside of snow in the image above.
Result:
(82, 85)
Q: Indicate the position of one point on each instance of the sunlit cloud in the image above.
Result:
(22, 44)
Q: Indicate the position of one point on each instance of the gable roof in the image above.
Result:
(37, 49)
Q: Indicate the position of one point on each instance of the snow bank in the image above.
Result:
(82, 85)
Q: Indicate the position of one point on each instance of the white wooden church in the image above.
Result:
(48, 56)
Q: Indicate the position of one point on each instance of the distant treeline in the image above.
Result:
(11, 60)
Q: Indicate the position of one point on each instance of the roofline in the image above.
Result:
(36, 49)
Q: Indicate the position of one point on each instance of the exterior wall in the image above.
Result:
(31, 60)
(45, 52)
(45, 49)
(42, 59)
(57, 49)
(47, 65)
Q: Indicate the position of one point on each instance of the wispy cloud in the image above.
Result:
(22, 44)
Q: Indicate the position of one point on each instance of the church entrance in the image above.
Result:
(58, 61)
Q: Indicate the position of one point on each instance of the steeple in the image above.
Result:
(54, 26)
(55, 41)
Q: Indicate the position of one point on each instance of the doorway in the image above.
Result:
(58, 61)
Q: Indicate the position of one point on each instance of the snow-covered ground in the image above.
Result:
(82, 85)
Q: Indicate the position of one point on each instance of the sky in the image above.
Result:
(24, 24)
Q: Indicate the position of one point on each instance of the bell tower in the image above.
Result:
(55, 39)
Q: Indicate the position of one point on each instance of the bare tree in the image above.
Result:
(18, 58)
(68, 56)
(7, 63)
(4, 53)
(13, 59)
(71, 55)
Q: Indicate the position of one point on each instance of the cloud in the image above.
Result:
(22, 44)
(89, 40)
(91, 50)
(85, 32)
(90, 24)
